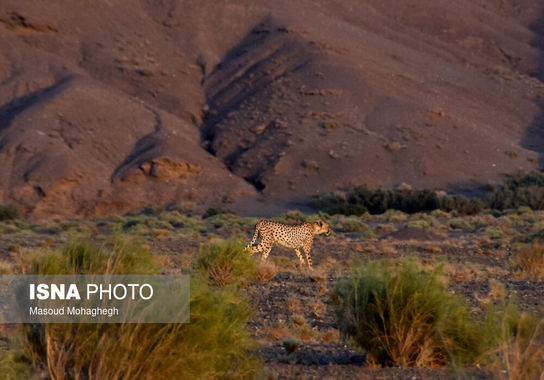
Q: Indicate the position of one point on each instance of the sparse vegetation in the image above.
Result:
(294, 302)
(216, 344)
(519, 351)
(352, 224)
(362, 200)
(530, 259)
(511, 153)
(459, 224)
(227, 262)
(493, 232)
(310, 164)
(215, 211)
(405, 316)
(519, 190)
(294, 217)
(14, 365)
(266, 271)
(8, 212)
(291, 345)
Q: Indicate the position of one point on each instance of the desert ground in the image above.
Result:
(478, 254)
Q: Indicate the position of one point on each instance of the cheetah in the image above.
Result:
(289, 236)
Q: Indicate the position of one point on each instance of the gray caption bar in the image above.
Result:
(94, 298)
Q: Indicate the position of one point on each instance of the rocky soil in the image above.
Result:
(478, 254)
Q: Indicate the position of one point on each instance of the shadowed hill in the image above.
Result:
(111, 106)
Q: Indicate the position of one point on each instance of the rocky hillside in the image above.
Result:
(107, 107)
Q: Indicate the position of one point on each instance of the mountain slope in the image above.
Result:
(106, 107)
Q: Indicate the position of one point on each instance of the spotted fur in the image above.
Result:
(289, 236)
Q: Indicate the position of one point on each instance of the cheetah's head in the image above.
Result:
(320, 227)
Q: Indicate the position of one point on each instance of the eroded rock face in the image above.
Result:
(107, 107)
(72, 146)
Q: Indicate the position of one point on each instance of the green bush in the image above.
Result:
(461, 204)
(294, 217)
(84, 257)
(419, 224)
(493, 232)
(13, 363)
(519, 190)
(361, 200)
(352, 224)
(337, 203)
(215, 211)
(227, 262)
(8, 212)
(459, 224)
(404, 316)
(216, 344)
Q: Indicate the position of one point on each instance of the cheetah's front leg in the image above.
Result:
(253, 241)
(255, 248)
(308, 257)
(266, 251)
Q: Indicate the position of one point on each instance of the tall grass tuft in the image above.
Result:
(404, 316)
(519, 350)
(215, 344)
(227, 262)
(530, 259)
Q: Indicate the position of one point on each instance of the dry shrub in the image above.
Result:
(387, 248)
(298, 320)
(293, 305)
(8, 267)
(266, 271)
(305, 333)
(497, 293)
(277, 331)
(317, 275)
(405, 316)
(433, 249)
(227, 262)
(319, 308)
(330, 336)
(519, 353)
(530, 259)
(497, 290)
(322, 290)
(463, 272)
(385, 229)
(216, 344)
(352, 224)
(291, 345)
(331, 265)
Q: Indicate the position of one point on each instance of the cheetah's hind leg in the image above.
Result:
(302, 263)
